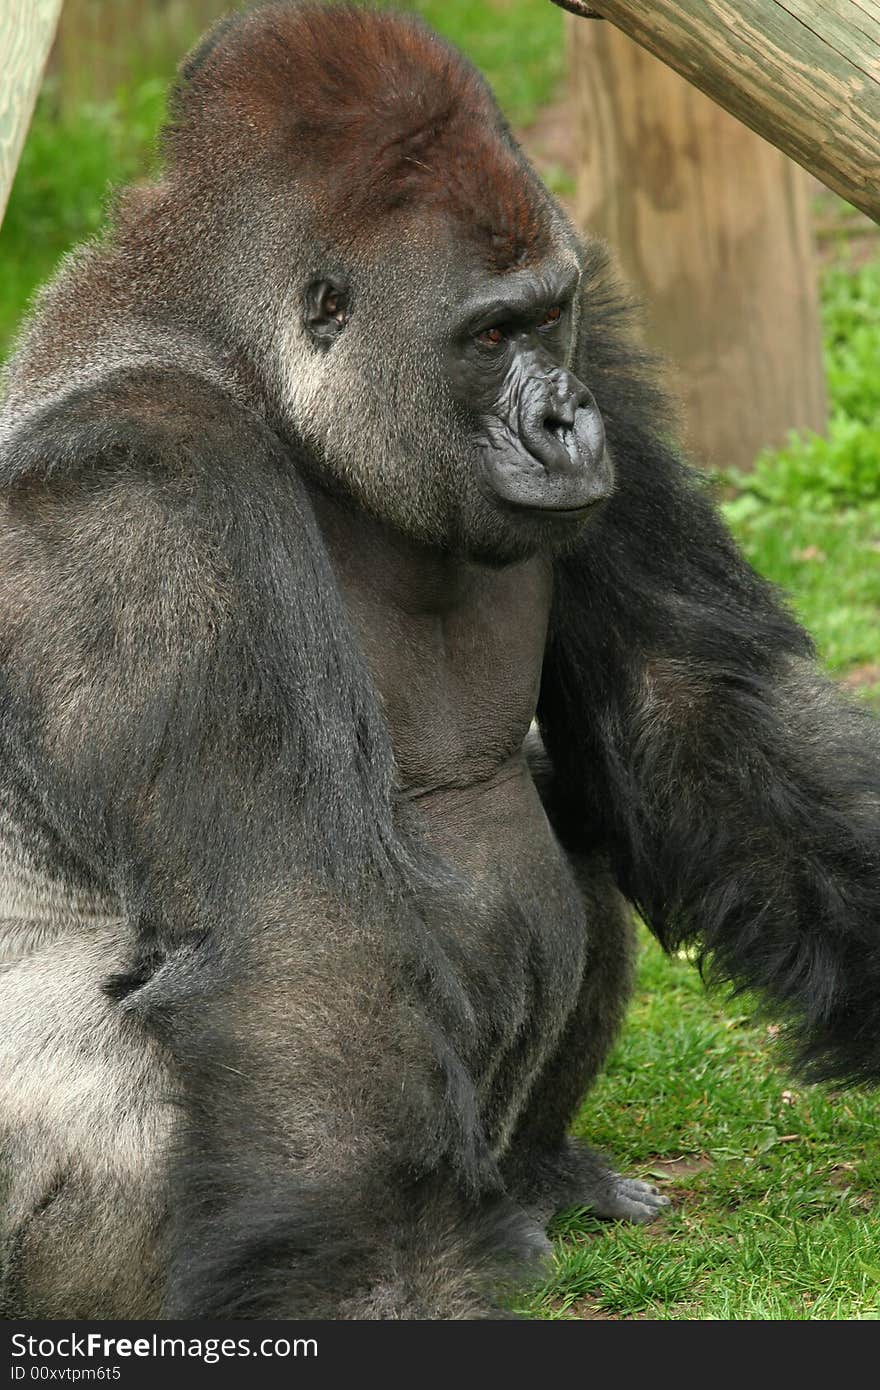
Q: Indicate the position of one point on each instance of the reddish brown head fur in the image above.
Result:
(370, 111)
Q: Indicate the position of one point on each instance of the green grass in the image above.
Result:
(774, 1185)
(809, 515)
(67, 171)
(774, 1209)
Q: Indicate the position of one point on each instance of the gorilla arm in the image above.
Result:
(738, 793)
(181, 689)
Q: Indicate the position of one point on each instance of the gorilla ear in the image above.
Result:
(326, 310)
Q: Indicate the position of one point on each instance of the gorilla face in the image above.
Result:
(462, 424)
(540, 439)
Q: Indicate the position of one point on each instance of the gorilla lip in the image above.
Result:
(536, 510)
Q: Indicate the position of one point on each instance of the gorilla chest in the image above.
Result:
(457, 666)
(515, 932)
(459, 686)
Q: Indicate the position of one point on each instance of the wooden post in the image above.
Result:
(711, 225)
(103, 44)
(805, 74)
(26, 31)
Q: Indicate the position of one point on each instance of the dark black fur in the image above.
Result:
(749, 824)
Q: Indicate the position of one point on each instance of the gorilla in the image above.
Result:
(367, 651)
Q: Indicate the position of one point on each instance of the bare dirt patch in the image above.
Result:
(587, 1309)
(842, 232)
(551, 144)
(670, 1169)
(862, 676)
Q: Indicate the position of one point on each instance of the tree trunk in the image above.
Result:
(711, 226)
(26, 29)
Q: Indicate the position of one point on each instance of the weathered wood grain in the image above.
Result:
(805, 74)
(26, 30)
(711, 225)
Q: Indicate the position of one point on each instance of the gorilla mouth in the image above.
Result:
(535, 509)
(569, 487)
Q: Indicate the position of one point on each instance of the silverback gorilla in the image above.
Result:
(324, 476)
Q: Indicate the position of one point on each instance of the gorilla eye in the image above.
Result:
(491, 337)
(551, 317)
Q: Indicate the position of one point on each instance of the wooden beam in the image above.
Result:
(26, 31)
(805, 74)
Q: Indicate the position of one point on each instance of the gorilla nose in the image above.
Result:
(562, 428)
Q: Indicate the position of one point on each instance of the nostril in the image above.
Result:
(558, 428)
(561, 416)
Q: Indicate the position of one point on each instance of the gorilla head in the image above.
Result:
(408, 290)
